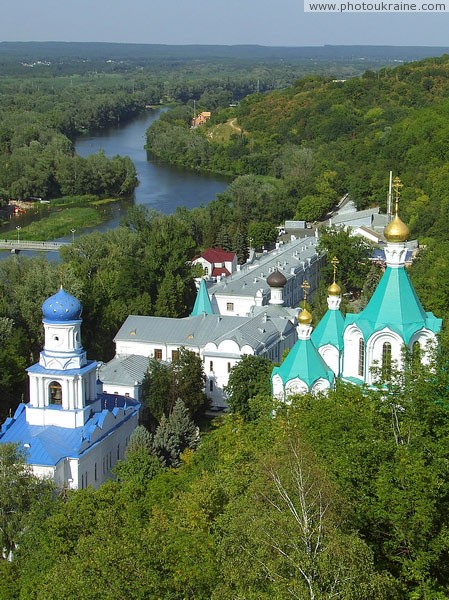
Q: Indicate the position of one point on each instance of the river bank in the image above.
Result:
(58, 224)
(161, 187)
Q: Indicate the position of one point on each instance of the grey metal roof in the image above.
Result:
(380, 221)
(354, 216)
(124, 370)
(276, 312)
(289, 258)
(373, 232)
(260, 330)
(189, 331)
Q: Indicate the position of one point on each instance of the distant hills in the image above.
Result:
(114, 51)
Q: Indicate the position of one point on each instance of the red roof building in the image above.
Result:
(217, 263)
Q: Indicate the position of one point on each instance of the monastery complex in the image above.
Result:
(81, 414)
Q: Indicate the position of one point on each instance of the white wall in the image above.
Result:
(241, 305)
(104, 455)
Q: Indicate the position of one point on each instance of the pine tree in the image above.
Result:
(183, 426)
(140, 438)
(175, 434)
(165, 444)
(223, 240)
(141, 463)
(240, 246)
(189, 380)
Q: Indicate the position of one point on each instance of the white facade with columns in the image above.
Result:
(70, 430)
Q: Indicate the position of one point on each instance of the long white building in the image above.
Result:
(248, 312)
(297, 260)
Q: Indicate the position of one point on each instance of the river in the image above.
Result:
(161, 187)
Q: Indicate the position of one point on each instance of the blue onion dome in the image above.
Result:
(62, 307)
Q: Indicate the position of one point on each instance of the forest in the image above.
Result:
(340, 496)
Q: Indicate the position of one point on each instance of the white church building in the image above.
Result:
(362, 348)
(70, 430)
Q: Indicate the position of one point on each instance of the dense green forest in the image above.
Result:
(322, 138)
(50, 93)
(342, 496)
(326, 499)
(59, 58)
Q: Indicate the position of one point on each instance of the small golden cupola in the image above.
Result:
(396, 230)
(304, 317)
(334, 289)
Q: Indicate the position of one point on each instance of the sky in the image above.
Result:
(264, 22)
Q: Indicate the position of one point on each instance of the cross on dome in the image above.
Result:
(396, 231)
(334, 289)
(304, 317)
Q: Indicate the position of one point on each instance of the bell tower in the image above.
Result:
(63, 383)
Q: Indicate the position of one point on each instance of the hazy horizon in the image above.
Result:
(254, 22)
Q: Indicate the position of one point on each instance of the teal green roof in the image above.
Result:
(202, 302)
(303, 362)
(329, 330)
(395, 305)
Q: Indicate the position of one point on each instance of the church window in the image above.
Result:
(82, 482)
(361, 366)
(386, 361)
(230, 306)
(174, 354)
(206, 270)
(229, 367)
(416, 356)
(55, 393)
(118, 451)
(158, 354)
(211, 365)
(211, 385)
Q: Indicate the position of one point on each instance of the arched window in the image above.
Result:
(55, 393)
(416, 356)
(361, 364)
(386, 361)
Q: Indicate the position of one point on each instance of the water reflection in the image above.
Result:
(161, 187)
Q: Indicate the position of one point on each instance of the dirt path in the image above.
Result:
(232, 123)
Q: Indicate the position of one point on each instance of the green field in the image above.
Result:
(58, 224)
(222, 132)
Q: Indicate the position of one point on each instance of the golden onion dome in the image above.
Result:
(304, 317)
(334, 289)
(396, 231)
